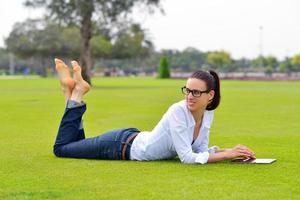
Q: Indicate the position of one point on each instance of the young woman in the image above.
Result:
(183, 130)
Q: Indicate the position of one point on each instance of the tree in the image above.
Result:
(272, 64)
(83, 12)
(219, 60)
(4, 61)
(163, 70)
(242, 64)
(42, 39)
(259, 62)
(101, 47)
(286, 66)
(295, 61)
(132, 42)
(190, 59)
(195, 57)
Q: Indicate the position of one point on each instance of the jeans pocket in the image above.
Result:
(110, 150)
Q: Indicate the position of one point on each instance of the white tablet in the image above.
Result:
(254, 161)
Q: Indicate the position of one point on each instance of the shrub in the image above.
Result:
(163, 69)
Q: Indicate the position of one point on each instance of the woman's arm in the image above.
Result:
(225, 154)
(222, 150)
(180, 136)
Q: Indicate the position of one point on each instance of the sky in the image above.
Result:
(244, 28)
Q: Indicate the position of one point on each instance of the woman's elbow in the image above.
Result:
(186, 160)
(200, 158)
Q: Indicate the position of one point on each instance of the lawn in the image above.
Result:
(263, 115)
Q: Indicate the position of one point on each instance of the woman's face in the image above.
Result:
(199, 102)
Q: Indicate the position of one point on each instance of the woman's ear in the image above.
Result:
(211, 95)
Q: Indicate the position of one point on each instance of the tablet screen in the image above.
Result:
(254, 161)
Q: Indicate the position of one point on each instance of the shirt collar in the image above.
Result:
(207, 117)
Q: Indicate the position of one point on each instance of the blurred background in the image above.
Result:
(256, 39)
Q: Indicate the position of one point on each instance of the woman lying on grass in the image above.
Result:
(183, 129)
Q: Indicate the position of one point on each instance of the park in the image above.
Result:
(265, 115)
(134, 78)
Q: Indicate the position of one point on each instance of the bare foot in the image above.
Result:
(81, 86)
(66, 81)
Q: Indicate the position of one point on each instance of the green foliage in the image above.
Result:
(259, 62)
(190, 59)
(272, 62)
(242, 64)
(163, 69)
(31, 111)
(269, 70)
(43, 39)
(101, 47)
(80, 13)
(132, 42)
(4, 59)
(219, 60)
(295, 61)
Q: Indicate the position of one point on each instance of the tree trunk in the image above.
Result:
(85, 51)
(11, 64)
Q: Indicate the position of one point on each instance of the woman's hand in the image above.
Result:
(240, 151)
(237, 151)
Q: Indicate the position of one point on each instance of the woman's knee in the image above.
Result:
(56, 151)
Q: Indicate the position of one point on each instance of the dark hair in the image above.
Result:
(212, 81)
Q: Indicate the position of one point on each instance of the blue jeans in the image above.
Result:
(71, 142)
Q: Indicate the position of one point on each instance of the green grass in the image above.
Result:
(262, 115)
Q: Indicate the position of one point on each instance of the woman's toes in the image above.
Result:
(76, 66)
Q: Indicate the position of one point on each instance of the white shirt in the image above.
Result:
(173, 135)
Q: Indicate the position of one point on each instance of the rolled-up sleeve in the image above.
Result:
(180, 136)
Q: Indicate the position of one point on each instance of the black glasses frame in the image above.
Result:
(195, 93)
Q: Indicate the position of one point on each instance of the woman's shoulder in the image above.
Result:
(208, 118)
(180, 110)
(179, 106)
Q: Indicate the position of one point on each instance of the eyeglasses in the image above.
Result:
(195, 93)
